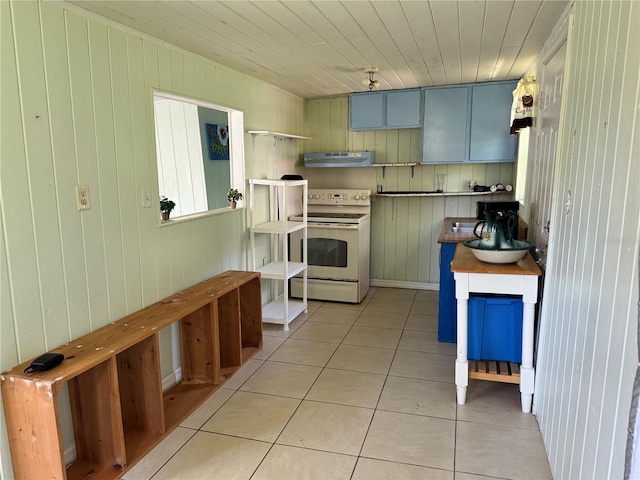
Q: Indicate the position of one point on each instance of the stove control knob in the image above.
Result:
(363, 196)
(310, 196)
(357, 197)
(316, 196)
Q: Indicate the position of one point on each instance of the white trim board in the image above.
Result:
(403, 284)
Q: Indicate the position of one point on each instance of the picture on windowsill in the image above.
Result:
(218, 141)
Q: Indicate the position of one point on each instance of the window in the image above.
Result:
(199, 151)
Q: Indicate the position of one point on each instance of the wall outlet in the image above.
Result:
(82, 197)
(146, 198)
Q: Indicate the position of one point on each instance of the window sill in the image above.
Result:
(197, 216)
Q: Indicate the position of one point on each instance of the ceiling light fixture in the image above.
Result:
(371, 83)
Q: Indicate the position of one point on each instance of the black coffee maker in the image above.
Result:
(498, 208)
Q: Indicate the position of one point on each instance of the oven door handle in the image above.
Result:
(334, 226)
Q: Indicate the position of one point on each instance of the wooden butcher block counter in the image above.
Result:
(465, 261)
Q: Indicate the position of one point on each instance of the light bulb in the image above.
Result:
(376, 84)
(365, 82)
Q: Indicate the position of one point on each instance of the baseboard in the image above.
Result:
(169, 381)
(402, 284)
(172, 379)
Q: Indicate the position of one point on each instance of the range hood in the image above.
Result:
(339, 159)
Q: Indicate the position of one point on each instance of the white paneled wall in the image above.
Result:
(587, 353)
(404, 231)
(77, 109)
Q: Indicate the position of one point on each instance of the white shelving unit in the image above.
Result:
(284, 196)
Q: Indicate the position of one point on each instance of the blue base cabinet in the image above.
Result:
(495, 328)
(447, 327)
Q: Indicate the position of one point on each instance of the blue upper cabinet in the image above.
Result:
(384, 110)
(367, 111)
(445, 134)
(468, 123)
(490, 116)
(403, 109)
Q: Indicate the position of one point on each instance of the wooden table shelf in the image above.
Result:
(492, 371)
(118, 409)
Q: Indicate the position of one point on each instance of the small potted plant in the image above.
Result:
(233, 196)
(166, 206)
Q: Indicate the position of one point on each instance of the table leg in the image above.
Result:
(527, 372)
(462, 364)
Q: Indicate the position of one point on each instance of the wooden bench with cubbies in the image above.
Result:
(118, 408)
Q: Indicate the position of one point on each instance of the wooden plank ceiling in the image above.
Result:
(321, 48)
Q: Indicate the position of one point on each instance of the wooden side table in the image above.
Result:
(474, 276)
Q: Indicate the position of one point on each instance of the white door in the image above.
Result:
(550, 99)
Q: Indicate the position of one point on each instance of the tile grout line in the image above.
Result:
(323, 368)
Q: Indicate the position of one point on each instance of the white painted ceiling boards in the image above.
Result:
(320, 48)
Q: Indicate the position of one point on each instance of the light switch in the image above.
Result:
(146, 198)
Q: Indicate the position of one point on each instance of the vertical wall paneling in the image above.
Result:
(121, 98)
(39, 170)
(84, 133)
(108, 185)
(140, 119)
(77, 109)
(8, 342)
(587, 348)
(62, 140)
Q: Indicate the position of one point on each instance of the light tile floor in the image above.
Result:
(354, 392)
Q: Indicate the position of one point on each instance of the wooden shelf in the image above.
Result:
(491, 371)
(118, 409)
(84, 469)
(182, 398)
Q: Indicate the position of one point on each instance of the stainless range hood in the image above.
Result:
(339, 159)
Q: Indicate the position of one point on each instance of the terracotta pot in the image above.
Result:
(165, 215)
(233, 204)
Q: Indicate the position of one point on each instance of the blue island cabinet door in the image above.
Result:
(447, 306)
(366, 111)
(446, 125)
(490, 122)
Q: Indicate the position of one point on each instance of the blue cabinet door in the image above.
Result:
(490, 115)
(366, 111)
(384, 110)
(447, 326)
(445, 128)
(403, 109)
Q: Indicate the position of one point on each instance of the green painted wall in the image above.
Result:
(77, 110)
